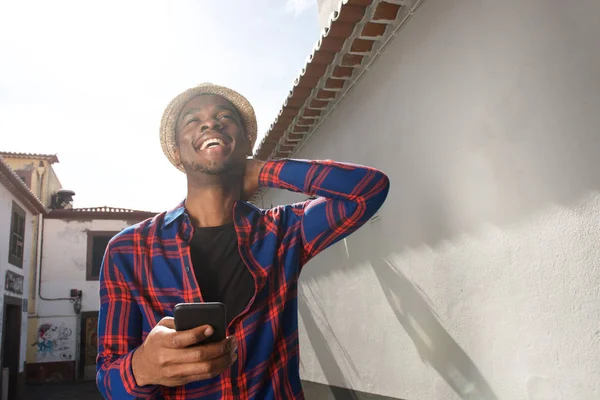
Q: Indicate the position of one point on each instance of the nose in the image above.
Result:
(210, 124)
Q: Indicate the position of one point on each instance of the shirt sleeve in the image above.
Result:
(347, 196)
(119, 335)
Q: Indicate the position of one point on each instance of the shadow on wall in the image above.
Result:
(435, 345)
(512, 128)
(319, 343)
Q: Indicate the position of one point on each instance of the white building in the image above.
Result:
(18, 206)
(62, 338)
(480, 278)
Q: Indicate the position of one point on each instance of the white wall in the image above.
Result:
(325, 9)
(481, 279)
(6, 203)
(64, 261)
(63, 267)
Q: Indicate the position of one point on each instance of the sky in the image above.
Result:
(89, 81)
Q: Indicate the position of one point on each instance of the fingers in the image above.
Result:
(205, 370)
(167, 322)
(207, 352)
(183, 339)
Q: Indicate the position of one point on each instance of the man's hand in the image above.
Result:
(166, 359)
(250, 186)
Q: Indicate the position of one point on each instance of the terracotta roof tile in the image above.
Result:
(325, 94)
(318, 104)
(51, 158)
(19, 189)
(373, 30)
(342, 72)
(362, 46)
(351, 60)
(386, 11)
(334, 84)
(311, 113)
(348, 44)
(105, 209)
(360, 2)
(103, 212)
(350, 13)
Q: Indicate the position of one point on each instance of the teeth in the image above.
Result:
(212, 141)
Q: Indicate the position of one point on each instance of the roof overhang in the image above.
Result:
(19, 189)
(90, 213)
(357, 34)
(50, 158)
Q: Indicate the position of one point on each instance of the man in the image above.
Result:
(215, 246)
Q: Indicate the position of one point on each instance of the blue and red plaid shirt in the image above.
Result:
(147, 269)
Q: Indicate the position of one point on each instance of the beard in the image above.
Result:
(229, 167)
(210, 168)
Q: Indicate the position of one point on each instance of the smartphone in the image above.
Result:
(191, 315)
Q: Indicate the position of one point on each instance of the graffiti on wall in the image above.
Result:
(54, 343)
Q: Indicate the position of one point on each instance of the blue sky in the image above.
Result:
(89, 81)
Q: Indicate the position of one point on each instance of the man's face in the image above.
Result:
(210, 136)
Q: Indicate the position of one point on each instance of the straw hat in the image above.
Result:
(169, 118)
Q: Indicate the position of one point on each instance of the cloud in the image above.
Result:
(297, 7)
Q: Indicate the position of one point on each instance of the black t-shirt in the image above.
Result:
(220, 271)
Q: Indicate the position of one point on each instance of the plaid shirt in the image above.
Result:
(147, 269)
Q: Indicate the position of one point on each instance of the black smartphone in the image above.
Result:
(191, 315)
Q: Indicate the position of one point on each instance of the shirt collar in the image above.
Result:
(179, 210)
(174, 214)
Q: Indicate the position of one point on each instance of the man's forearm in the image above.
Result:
(349, 195)
(327, 179)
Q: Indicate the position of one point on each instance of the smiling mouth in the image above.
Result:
(210, 143)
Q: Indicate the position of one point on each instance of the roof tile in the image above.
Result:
(12, 182)
(311, 113)
(342, 48)
(331, 44)
(360, 2)
(51, 158)
(386, 12)
(334, 84)
(103, 212)
(325, 94)
(342, 72)
(351, 60)
(362, 46)
(350, 13)
(373, 30)
(318, 104)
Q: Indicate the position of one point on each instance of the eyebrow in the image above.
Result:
(219, 107)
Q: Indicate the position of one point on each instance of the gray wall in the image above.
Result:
(481, 279)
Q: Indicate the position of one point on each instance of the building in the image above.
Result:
(18, 209)
(62, 336)
(58, 337)
(37, 171)
(479, 277)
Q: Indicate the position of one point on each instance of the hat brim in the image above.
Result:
(171, 114)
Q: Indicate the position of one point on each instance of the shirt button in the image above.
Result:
(187, 269)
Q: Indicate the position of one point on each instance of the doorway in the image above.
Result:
(11, 343)
(89, 345)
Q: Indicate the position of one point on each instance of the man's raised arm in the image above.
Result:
(348, 196)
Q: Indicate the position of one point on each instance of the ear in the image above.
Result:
(177, 156)
(246, 143)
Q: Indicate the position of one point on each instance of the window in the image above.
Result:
(17, 236)
(96, 246)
